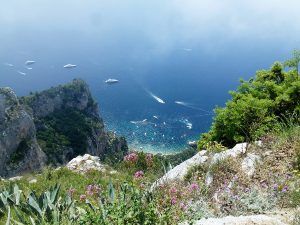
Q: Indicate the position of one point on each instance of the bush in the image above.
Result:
(256, 107)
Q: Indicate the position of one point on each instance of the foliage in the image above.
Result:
(125, 205)
(245, 201)
(256, 107)
(294, 61)
(59, 131)
(175, 159)
(48, 208)
(20, 152)
(212, 146)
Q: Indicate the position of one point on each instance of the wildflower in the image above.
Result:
(89, 190)
(247, 190)
(183, 206)
(289, 176)
(235, 197)
(82, 197)
(97, 189)
(139, 174)
(92, 189)
(275, 187)
(131, 157)
(71, 191)
(285, 189)
(149, 159)
(173, 200)
(161, 186)
(194, 187)
(173, 190)
(264, 184)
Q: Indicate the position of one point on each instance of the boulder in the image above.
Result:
(242, 220)
(181, 170)
(249, 164)
(83, 164)
(19, 150)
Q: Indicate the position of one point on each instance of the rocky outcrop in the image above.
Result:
(203, 157)
(246, 220)
(70, 113)
(75, 95)
(52, 127)
(86, 163)
(19, 150)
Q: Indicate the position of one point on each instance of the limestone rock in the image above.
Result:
(74, 96)
(181, 170)
(32, 181)
(242, 220)
(249, 164)
(83, 164)
(19, 150)
(23, 119)
(15, 178)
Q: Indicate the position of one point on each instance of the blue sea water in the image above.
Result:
(170, 50)
(185, 76)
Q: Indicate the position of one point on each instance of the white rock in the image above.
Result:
(237, 150)
(83, 164)
(249, 163)
(241, 220)
(178, 172)
(202, 152)
(113, 172)
(15, 178)
(33, 181)
(209, 179)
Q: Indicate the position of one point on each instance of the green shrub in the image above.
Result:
(256, 107)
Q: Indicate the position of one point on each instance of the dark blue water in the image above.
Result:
(155, 47)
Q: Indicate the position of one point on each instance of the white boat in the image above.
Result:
(112, 81)
(69, 66)
(22, 73)
(158, 99)
(29, 62)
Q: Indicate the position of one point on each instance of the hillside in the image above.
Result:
(52, 127)
(245, 171)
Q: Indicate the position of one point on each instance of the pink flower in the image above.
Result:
(92, 189)
(131, 157)
(82, 197)
(173, 190)
(183, 206)
(149, 159)
(173, 200)
(194, 187)
(71, 191)
(139, 174)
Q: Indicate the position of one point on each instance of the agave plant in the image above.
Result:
(48, 208)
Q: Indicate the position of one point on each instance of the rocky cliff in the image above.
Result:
(19, 150)
(52, 127)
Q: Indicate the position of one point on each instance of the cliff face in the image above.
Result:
(19, 150)
(52, 127)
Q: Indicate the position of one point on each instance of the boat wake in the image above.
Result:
(192, 106)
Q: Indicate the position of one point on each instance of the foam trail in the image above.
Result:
(8, 64)
(158, 99)
(21, 73)
(191, 106)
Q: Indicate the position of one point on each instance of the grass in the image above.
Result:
(274, 185)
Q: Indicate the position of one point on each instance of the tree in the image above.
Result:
(294, 61)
